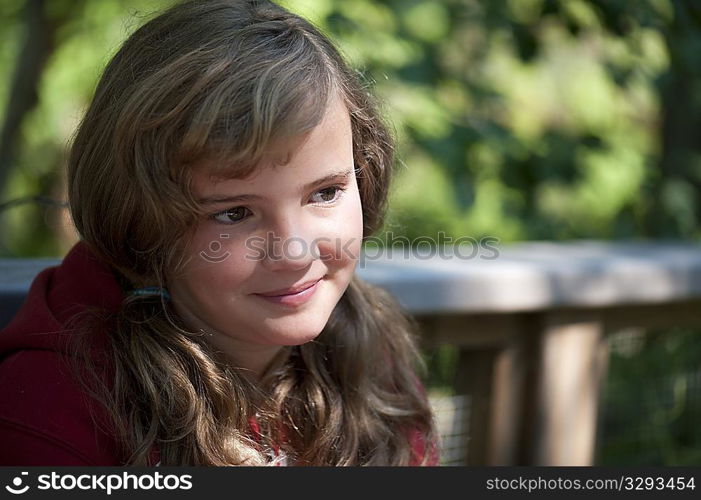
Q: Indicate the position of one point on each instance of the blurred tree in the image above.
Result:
(41, 27)
(528, 119)
(38, 44)
(55, 50)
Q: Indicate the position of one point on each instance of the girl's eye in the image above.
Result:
(231, 216)
(237, 214)
(328, 195)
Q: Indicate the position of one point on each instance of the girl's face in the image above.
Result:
(277, 250)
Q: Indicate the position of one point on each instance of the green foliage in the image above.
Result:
(652, 405)
(87, 36)
(535, 119)
(441, 362)
(530, 120)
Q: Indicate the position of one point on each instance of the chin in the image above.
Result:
(299, 328)
(291, 339)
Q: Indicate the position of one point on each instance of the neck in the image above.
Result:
(253, 360)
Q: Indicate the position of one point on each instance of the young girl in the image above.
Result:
(221, 182)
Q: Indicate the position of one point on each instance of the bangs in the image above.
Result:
(244, 117)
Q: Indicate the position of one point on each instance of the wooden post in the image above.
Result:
(508, 393)
(571, 363)
(474, 378)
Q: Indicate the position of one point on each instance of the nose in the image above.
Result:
(289, 246)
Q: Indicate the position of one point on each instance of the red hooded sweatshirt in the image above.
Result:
(46, 419)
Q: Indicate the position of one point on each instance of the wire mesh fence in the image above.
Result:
(452, 420)
(649, 411)
(651, 402)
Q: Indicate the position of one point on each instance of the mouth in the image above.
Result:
(292, 296)
(291, 290)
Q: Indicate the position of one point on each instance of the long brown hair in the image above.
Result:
(227, 80)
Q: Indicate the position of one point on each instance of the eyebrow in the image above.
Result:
(333, 177)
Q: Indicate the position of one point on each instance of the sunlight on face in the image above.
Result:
(277, 250)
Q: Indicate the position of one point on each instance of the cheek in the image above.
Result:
(342, 241)
(354, 226)
(217, 263)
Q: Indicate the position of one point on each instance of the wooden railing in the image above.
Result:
(530, 321)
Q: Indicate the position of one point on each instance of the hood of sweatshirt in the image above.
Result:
(80, 282)
(45, 417)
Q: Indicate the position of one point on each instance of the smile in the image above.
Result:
(294, 298)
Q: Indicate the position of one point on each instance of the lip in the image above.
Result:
(290, 291)
(295, 296)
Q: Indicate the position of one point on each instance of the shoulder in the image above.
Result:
(423, 452)
(45, 417)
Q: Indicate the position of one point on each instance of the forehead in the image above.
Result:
(328, 146)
